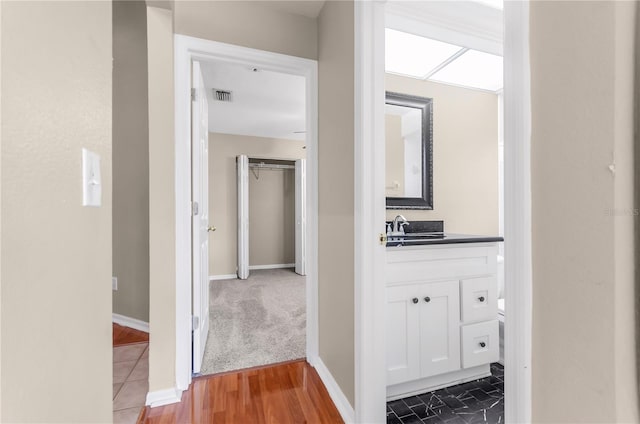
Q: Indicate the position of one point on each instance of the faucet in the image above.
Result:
(398, 225)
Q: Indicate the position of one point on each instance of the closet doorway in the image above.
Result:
(271, 214)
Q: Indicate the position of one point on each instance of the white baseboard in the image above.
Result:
(163, 397)
(273, 266)
(136, 324)
(339, 399)
(222, 277)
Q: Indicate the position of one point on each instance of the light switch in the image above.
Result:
(91, 179)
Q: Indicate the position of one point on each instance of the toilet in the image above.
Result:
(501, 306)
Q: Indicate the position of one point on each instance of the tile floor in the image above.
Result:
(475, 402)
(130, 381)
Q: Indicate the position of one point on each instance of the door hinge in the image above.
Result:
(195, 322)
(194, 208)
(193, 94)
(383, 239)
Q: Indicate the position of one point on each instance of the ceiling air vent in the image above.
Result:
(222, 95)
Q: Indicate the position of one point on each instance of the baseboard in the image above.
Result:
(273, 266)
(222, 277)
(339, 399)
(136, 324)
(163, 397)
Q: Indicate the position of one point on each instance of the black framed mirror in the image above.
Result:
(409, 151)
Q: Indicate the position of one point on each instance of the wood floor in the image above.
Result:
(290, 392)
(125, 335)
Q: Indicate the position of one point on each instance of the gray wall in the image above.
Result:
(583, 218)
(130, 160)
(56, 254)
(336, 191)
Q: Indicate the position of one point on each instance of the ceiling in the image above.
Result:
(263, 103)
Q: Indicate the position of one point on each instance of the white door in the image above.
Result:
(439, 327)
(200, 216)
(402, 334)
(301, 217)
(243, 216)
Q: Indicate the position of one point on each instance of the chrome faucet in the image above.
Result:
(398, 225)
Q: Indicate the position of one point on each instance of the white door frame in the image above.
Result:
(370, 384)
(187, 49)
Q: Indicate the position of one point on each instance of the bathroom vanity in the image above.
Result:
(441, 315)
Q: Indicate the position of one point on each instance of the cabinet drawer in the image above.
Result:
(480, 343)
(479, 299)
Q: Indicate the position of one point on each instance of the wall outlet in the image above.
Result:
(114, 283)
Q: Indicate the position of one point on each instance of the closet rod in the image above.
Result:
(270, 166)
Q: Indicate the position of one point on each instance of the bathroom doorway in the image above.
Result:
(371, 21)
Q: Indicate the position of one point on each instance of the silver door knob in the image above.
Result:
(211, 228)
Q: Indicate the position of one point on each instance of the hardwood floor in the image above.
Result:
(290, 392)
(125, 335)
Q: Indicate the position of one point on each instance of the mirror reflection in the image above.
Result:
(403, 147)
(408, 143)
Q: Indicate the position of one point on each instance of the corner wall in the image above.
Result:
(583, 212)
(130, 160)
(336, 192)
(162, 204)
(56, 346)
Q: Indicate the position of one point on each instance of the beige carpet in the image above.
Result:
(257, 321)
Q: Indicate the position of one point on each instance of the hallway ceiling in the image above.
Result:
(263, 103)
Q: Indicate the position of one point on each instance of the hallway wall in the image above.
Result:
(130, 160)
(56, 254)
(583, 215)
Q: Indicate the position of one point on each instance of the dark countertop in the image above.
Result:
(442, 238)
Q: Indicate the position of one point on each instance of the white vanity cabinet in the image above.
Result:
(441, 315)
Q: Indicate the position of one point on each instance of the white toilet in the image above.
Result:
(501, 305)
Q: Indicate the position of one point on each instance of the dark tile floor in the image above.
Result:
(479, 401)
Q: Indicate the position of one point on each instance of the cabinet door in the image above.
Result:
(403, 343)
(439, 328)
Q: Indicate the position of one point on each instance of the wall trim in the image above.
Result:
(517, 217)
(335, 393)
(273, 266)
(222, 277)
(134, 323)
(370, 209)
(187, 49)
(163, 397)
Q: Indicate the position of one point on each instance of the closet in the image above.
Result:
(271, 214)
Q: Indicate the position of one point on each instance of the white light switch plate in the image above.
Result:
(91, 179)
(114, 283)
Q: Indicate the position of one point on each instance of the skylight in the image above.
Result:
(424, 58)
(473, 69)
(415, 56)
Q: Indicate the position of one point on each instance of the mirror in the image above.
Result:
(409, 151)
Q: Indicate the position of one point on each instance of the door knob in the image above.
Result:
(211, 228)
(427, 299)
(414, 300)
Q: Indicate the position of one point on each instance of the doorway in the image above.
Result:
(370, 376)
(187, 51)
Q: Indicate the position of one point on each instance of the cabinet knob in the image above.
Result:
(482, 344)
(414, 300)
(427, 299)
(481, 298)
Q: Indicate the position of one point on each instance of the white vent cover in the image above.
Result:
(222, 95)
